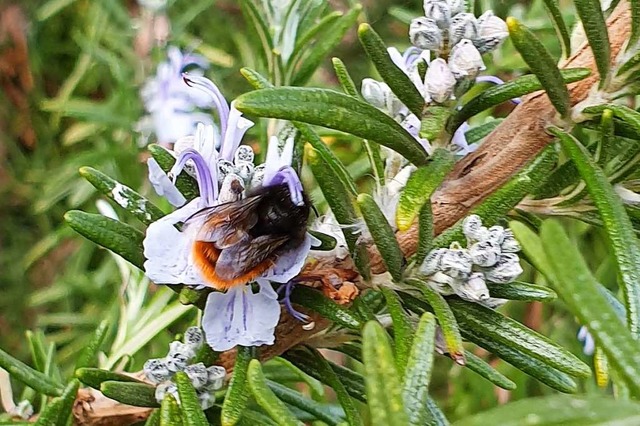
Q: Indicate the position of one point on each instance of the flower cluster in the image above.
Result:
(238, 312)
(172, 106)
(205, 380)
(491, 255)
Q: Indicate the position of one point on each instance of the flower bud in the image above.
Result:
(178, 356)
(257, 177)
(463, 25)
(474, 289)
(216, 375)
(491, 31)
(465, 61)
(425, 34)
(244, 170)
(495, 234)
(456, 6)
(156, 370)
(506, 270)
(431, 263)
(439, 11)
(231, 189)
(198, 375)
(456, 263)
(244, 154)
(206, 400)
(509, 244)
(224, 168)
(194, 337)
(439, 81)
(164, 388)
(471, 226)
(485, 253)
(375, 92)
(442, 283)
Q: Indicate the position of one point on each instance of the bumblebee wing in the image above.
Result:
(240, 259)
(225, 224)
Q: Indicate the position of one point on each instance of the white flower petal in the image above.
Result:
(168, 250)
(237, 126)
(163, 185)
(240, 317)
(289, 264)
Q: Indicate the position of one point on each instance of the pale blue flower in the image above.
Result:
(172, 106)
(238, 316)
(587, 339)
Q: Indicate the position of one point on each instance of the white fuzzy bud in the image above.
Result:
(431, 263)
(375, 92)
(156, 370)
(456, 263)
(439, 81)
(179, 356)
(439, 11)
(471, 227)
(198, 375)
(510, 244)
(463, 25)
(166, 388)
(474, 289)
(215, 378)
(224, 168)
(495, 234)
(24, 409)
(442, 283)
(244, 154)
(485, 253)
(257, 177)
(506, 270)
(194, 338)
(244, 170)
(425, 34)
(465, 61)
(231, 189)
(206, 400)
(491, 31)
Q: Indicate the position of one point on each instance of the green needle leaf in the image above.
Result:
(130, 393)
(266, 398)
(624, 113)
(621, 235)
(316, 301)
(396, 79)
(507, 91)
(541, 63)
(579, 290)
(90, 352)
(170, 412)
(124, 196)
(480, 367)
(296, 399)
(635, 23)
(402, 329)
(237, 396)
(192, 414)
(335, 110)
(415, 391)
(383, 236)
(94, 377)
(344, 78)
(122, 239)
(384, 392)
(58, 411)
(30, 377)
(595, 28)
(553, 8)
(521, 291)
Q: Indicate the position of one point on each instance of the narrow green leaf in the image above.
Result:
(296, 399)
(559, 410)
(335, 110)
(434, 122)
(425, 233)
(316, 301)
(402, 329)
(30, 377)
(421, 184)
(192, 414)
(384, 392)
(304, 41)
(327, 242)
(89, 353)
(94, 377)
(153, 419)
(374, 155)
(342, 205)
(579, 290)
(541, 63)
(237, 396)
(608, 140)
(344, 78)
(628, 115)
(487, 322)
(122, 239)
(415, 389)
(261, 29)
(480, 367)
(635, 23)
(321, 49)
(58, 411)
(595, 28)
(36, 345)
(255, 79)
(521, 291)
(478, 133)
(185, 183)
(398, 81)
(383, 236)
(138, 394)
(170, 412)
(510, 90)
(265, 397)
(621, 236)
(446, 319)
(124, 196)
(553, 9)
(437, 415)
